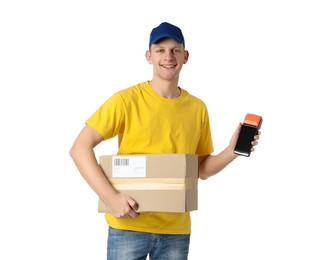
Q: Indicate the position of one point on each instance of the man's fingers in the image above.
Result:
(134, 207)
(133, 214)
(133, 204)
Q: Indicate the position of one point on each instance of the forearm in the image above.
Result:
(212, 164)
(89, 169)
(82, 153)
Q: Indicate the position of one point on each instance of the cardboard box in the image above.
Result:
(158, 182)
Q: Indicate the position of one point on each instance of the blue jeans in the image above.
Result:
(132, 245)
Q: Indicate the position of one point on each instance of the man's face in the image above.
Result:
(167, 57)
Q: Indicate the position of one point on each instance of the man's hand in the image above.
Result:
(123, 206)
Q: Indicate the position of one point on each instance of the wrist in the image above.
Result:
(230, 153)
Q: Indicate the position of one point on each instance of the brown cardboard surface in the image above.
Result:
(169, 185)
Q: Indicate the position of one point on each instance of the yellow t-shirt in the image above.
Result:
(148, 123)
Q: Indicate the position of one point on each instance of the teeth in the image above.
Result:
(168, 66)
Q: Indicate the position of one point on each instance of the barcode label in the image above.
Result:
(121, 162)
(128, 166)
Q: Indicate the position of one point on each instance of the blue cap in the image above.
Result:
(166, 30)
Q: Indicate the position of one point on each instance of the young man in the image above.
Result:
(150, 118)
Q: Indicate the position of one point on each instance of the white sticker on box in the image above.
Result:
(128, 166)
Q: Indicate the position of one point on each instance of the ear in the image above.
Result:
(186, 55)
(148, 56)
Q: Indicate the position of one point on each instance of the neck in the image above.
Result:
(166, 89)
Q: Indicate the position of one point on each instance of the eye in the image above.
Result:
(159, 50)
(177, 50)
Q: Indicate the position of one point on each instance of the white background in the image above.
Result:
(60, 60)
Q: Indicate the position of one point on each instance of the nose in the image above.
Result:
(169, 55)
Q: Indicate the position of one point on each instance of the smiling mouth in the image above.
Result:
(168, 66)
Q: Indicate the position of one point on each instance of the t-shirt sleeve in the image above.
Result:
(205, 145)
(109, 118)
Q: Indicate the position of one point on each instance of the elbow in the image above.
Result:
(73, 152)
(203, 176)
